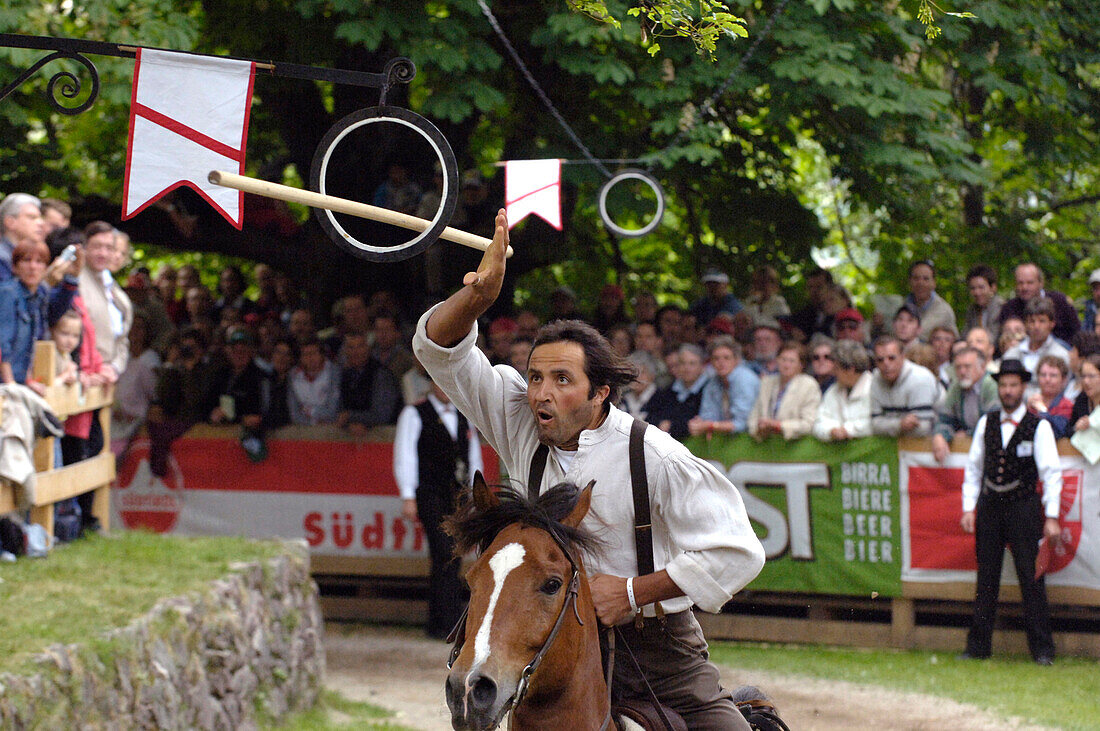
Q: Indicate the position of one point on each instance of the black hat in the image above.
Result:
(1013, 367)
(911, 309)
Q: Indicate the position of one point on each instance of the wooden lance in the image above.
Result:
(343, 205)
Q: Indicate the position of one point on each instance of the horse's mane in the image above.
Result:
(474, 528)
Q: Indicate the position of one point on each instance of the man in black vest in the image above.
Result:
(1001, 506)
(434, 454)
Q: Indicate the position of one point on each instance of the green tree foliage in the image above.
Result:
(845, 132)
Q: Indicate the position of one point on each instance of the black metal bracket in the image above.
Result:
(66, 84)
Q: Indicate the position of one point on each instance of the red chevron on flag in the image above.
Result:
(188, 116)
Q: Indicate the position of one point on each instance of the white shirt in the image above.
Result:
(841, 407)
(1046, 459)
(113, 310)
(406, 458)
(701, 532)
(1030, 358)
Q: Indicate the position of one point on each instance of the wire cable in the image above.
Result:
(538, 89)
(705, 109)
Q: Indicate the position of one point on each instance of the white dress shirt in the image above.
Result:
(701, 532)
(1045, 451)
(406, 458)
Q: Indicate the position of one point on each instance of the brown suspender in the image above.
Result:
(639, 482)
(534, 475)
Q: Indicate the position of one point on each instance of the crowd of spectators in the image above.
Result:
(738, 362)
(181, 354)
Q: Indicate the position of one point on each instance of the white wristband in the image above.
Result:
(630, 594)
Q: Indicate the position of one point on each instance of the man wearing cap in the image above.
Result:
(1001, 506)
(718, 297)
(907, 325)
(1030, 283)
(240, 387)
(848, 325)
(1092, 304)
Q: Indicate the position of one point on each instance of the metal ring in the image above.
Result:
(447, 161)
(632, 174)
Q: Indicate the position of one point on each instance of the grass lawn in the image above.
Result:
(334, 711)
(1063, 696)
(90, 586)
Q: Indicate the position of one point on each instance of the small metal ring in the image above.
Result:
(448, 163)
(632, 174)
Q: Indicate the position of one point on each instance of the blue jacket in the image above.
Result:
(6, 249)
(26, 317)
(743, 388)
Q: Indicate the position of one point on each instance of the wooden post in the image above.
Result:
(903, 618)
(101, 501)
(45, 368)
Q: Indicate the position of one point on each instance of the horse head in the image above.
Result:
(529, 639)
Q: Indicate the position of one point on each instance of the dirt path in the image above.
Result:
(399, 669)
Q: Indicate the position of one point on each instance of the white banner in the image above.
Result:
(533, 186)
(188, 115)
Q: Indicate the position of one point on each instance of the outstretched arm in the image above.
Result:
(453, 319)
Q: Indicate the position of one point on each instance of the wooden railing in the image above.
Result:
(95, 473)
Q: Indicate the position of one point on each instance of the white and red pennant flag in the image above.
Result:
(188, 116)
(533, 186)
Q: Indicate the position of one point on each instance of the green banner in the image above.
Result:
(827, 514)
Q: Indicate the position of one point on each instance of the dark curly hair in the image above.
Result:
(602, 365)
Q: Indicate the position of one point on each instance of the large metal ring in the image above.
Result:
(447, 161)
(632, 174)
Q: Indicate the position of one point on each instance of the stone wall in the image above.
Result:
(249, 648)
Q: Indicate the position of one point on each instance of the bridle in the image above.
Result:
(458, 635)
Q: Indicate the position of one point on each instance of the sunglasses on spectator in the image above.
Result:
(822, 356)
(847, 325)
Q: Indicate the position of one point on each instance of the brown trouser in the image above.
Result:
(673, 656)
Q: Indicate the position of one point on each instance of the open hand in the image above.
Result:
(487, 280)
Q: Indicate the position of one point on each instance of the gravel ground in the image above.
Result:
(399, 669)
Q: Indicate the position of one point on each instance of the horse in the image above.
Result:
(530, 610)
(536, 645)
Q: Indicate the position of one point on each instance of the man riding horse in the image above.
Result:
(703, 548)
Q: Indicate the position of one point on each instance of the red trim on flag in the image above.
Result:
(130, 143)
(531, 193)
(163, 120)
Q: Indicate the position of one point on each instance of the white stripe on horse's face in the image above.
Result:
(502, 563)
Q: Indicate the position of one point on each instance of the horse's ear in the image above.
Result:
(484, 498)
(584, 501)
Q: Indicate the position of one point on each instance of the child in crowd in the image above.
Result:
(66, 333)
(66, 336)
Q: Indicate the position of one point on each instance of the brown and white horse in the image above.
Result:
(530, 643)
